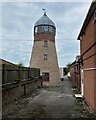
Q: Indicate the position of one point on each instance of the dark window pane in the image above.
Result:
(45, 76)
(45, 57)
(45, 43)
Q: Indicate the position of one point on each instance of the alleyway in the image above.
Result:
(50, 102)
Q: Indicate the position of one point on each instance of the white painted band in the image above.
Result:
(89, 69)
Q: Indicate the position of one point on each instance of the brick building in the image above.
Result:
(87, 37)
(2, 61)
(75, 73)
(44, 52)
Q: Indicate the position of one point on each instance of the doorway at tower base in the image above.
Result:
(49, 79)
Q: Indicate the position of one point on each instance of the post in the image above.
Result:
(24, 89)
(41, 81)
(3, 74)
(19, 71)
(28, 73)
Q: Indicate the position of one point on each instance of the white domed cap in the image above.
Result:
(44, 20)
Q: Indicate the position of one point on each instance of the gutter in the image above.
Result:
(87, 19)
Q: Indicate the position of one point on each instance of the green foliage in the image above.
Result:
(67, 69)
(20, 64)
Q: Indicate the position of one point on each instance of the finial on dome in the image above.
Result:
(44, 10)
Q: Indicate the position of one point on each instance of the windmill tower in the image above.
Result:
(44, 51)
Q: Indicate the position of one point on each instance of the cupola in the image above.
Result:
(44, 24)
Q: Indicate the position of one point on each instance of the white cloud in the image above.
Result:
(46, 0)
(18, 22)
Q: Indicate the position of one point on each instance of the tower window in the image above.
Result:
(50, 29)
(45, 43)
(45, 28)
(40, 28)
(45, 56)
(35, 29)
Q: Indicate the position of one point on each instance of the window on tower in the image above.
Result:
(35, 29)
(45, 43)
(45, 28)
(45, 56)
(52, 30)
(40, 28)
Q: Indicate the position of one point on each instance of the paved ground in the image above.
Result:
(50, 102)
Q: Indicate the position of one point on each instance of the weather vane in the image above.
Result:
(44, 10)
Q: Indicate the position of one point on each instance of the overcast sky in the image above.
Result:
(18, 20)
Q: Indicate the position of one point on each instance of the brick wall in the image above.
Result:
(75, 73)
(88, 60)
(44, 36)
(49, 66)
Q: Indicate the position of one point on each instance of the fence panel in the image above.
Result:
(10, 73)
(37, 74)
(31, 72)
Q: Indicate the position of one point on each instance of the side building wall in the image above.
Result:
(88, 53)
(75, 73)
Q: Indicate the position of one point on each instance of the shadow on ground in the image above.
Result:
(49, 102)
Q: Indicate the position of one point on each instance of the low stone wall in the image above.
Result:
(13, 91)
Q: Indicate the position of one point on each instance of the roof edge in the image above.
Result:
(51, 23)
(87, 19)
(8, 62)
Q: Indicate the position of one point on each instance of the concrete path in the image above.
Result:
(52, 102)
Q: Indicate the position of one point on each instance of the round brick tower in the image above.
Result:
(44, 52)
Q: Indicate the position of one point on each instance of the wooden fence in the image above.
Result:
(11, 73)
(18, 81)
